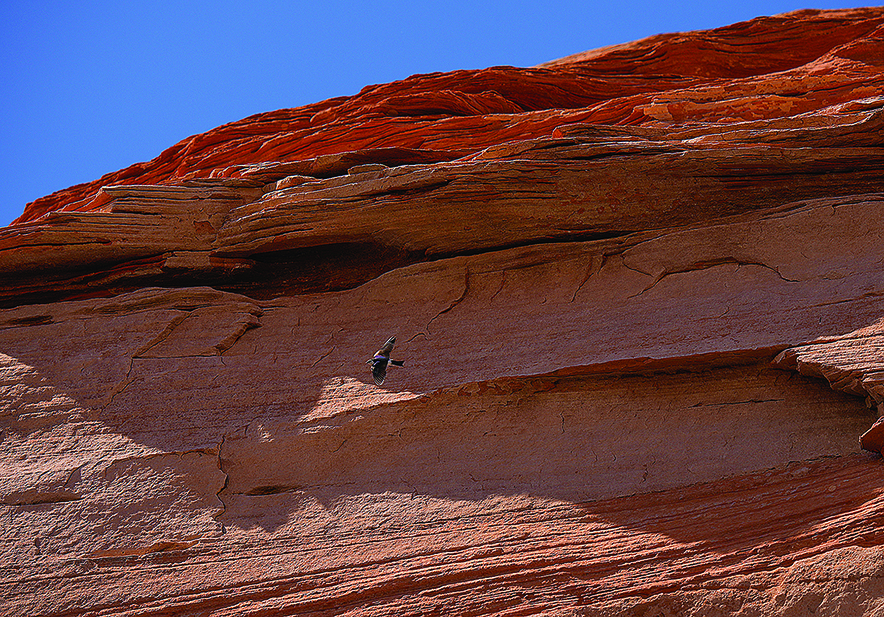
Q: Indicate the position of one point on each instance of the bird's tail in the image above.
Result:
(397, 362)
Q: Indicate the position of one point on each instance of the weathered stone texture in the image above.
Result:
(639, 296)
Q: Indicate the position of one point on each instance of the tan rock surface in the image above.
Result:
(641, 315)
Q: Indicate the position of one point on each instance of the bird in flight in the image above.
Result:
(381, 359)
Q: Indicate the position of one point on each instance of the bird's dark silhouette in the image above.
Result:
(381, 359)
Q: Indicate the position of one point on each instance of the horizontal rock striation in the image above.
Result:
(638, 293)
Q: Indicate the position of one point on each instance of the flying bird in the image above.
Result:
(381, 359)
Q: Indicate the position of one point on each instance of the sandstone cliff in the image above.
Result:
(638, 292)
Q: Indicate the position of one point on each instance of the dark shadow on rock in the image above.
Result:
(573, 439)
(577, 439)
(803, 507)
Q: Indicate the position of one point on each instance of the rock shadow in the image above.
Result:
(573, 439)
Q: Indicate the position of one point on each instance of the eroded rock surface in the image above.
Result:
(639, 296)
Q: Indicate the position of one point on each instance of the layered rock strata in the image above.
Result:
(638, 292)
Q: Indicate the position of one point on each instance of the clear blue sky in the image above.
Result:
(92, 87)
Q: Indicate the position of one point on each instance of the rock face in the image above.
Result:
(638, 292)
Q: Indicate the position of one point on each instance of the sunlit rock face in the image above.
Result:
(638, 293)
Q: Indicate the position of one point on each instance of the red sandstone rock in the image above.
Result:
(638, 293)
(765, 68)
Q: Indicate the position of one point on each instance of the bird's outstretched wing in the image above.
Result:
(387, 348)
(379, 372)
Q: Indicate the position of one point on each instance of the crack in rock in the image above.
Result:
(707, 266)
(162, 336)
(753, 401)
(596, 263)
(121, 386)
(456, 301)
(324, 356)
(223, 487)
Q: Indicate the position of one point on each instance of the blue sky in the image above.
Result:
(92, 87)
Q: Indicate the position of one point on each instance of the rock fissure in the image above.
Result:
(456, 301)
(224, 486)
(162, 336)
(596, 263)
(705, 266)
(750, 401)
(121, 386)
(324, 356)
